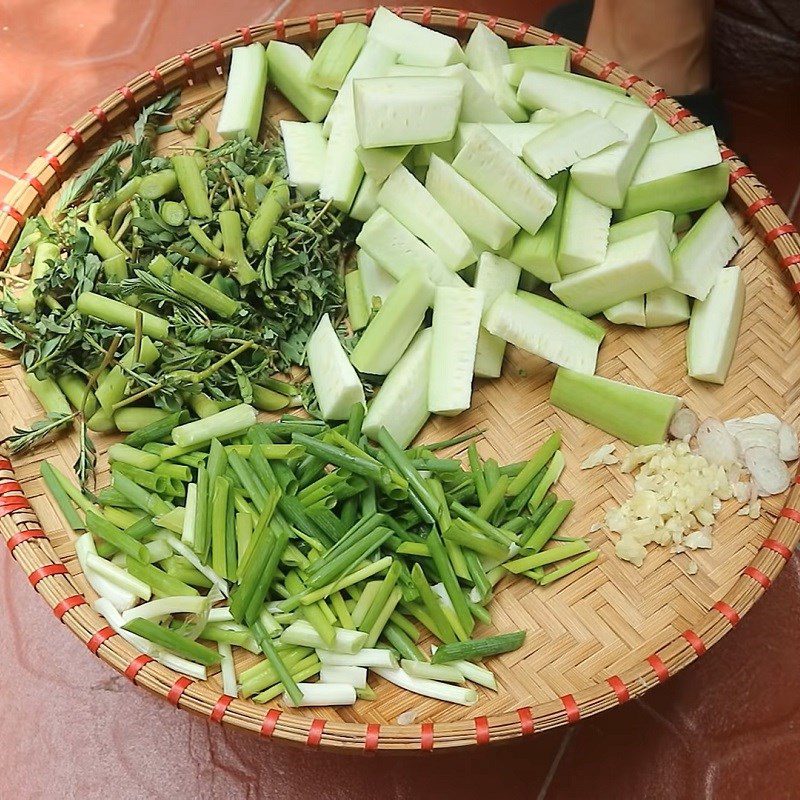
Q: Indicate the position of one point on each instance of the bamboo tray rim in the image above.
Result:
(30, 547)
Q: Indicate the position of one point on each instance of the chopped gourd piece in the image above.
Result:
(366, 200)
(493, 276)
(546, 329)
(665, 307)
(565, 92)
(398, 111)
(551, 58)
(337, 54)
(493, 170)
(583, 239)
(475, 213)
(714, 328)
(689, 151)
(631, 268)
(305, 147)
(637, 416)
(335, 381)
(456, 320)
(414, 44)
(377, 281)
(606, 175)
(628, 312)
(661, 221)
(537, 254)
(569, 141)
(380, 162)
(401, 404)
(394, 326)
(514, 135)
(244, 95)
(342, 172)
(289, 67)
(702, 253)
(398, 251)
(681, 193)
(411, 204)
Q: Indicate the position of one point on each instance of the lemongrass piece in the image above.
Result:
(322, 694)
(439, 691)
(164, 606)
(230, 422)
(433, 672)
(372, 657)
(353, 676)
(302, 633)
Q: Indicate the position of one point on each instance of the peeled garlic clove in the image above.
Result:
(715, 443)
(757, 436)
(768, 472)
(684, 423)
(788, 448)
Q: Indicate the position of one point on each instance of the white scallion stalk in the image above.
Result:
(353, 676)
(439, 691)
(118, 576)
(303, 634)
(221, 614)
(106, 609)
(188, 532)
(367, 657)
(120, 599)
(473, 672)
(179, 547)
(228, 669)
(223, 424)
(158, 550)
(323, 694)
(433, 672)
(162, 606)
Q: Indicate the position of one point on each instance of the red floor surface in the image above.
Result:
(70, 727)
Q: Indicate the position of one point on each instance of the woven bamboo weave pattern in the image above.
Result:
(594, 639)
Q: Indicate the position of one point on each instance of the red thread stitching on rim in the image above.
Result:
(727, 611)
(426, 736)
(221, 706)
(188, 62)
(313, 25)
(579, 55)
(482, 730)
(247, 36)
(426, 15)
(24, 536)
(553, 38)
(781, 230)
(47, 571)
(280, 29)
(680, 114)
(178, 688)
(629, 81)
(158, 79)
(620, 689)
(76, 137)
(754, 208)
(758, 576)
(368, 15)
(338, 18)
(7, 487)
(133, 669)
(777, 547)
(398, 11)
(315, 732)
(726, 154)
(788, 513)
(5, 464)
(68, 603)
(659, 667)
(127, 95)
(4, 246)
(525, 721)
(12, 212)
(607, 70)
(656, 98)
(741, 172)
(695, 641)
(491, 23)
(270, 721)
(99, 115)
(54, 163)
(571, 707)
(371, 736)
(521, 31)
(219, 53)
(461, 22)
(12, 504)
(35, 183)
(101, 636)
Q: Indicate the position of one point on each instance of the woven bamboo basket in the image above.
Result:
(602, 636)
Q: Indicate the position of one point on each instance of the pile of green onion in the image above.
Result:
(308, 545)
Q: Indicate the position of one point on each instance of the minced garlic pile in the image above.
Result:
(677, 494)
